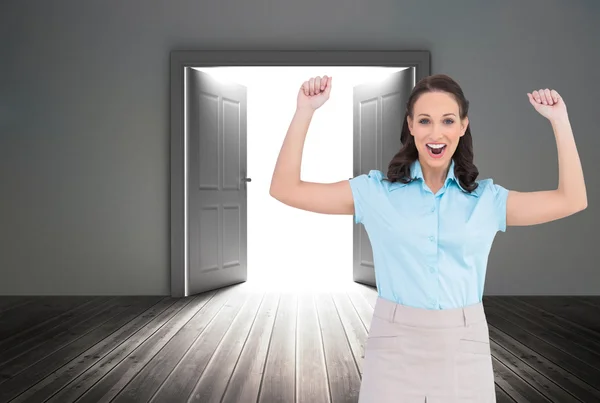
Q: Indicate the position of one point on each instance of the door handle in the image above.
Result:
(247, 179)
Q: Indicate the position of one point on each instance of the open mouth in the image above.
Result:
(436, 150)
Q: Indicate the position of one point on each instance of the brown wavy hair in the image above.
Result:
(465, 171)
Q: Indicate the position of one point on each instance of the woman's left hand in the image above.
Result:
(548, 103)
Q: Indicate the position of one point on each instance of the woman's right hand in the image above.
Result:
(314, 93)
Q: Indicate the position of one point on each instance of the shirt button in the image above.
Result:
(433, 209)
(431, 238)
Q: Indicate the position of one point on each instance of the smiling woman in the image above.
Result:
(436, 149)
(431, 224)
(436, 119)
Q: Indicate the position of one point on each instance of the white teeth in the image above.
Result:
(436, 145)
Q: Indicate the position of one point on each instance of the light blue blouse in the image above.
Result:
(430, 251)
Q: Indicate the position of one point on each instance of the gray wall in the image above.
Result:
(84, 120)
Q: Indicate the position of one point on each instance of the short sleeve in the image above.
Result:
(364, 190)
(499, 197)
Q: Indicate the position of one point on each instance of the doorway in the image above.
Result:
(229, 120)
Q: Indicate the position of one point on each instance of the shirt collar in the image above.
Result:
(416, 172)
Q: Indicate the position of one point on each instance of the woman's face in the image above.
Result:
(436, 128)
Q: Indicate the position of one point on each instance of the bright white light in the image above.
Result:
(290, 249)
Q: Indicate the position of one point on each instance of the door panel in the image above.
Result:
(378, 111)
(217, 189)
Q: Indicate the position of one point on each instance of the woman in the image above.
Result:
(431, 225)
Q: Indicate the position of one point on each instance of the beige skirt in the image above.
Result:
(415, 355)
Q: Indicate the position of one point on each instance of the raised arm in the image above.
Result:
(530, 208)
(286, 185)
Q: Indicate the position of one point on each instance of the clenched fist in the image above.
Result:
(314, 93)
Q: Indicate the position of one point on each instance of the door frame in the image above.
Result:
(420, 60)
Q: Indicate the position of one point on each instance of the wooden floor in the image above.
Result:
(242, 345)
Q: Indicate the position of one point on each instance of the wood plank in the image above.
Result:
(215, 377)
(563, 338)
(574, 327)
(8, 302)
(353, 327)
(245, 381)
(181, 381)
(27, 358)
(503, 344)
(369, 293)
(593, 300)
(58, 328)
(107, 324)
(535, 375)
(34, 331)
(344, 378)
(152, 361)
(502, 396)
(95, 362)
(514, 386)
(497, 319)
(311, 377)
(567, 308)
(362, 308)
(278, 383)
(28, 315)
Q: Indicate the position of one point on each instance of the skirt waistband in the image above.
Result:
(429, 318)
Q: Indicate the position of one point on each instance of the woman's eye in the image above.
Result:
(447, 120)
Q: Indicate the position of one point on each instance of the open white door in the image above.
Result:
(379, 109)
(216, 125)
